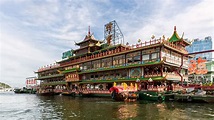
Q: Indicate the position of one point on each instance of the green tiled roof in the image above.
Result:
(175, 37)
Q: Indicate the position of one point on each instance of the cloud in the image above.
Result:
(35, 33)
(19, 59)
(195, 20)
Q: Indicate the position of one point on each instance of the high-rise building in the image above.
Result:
(198, 46)
(201, 45)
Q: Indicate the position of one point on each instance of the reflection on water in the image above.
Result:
(126, 111)
(26, 106)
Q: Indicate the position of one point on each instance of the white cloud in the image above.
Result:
(41, 13)
(195, 21)
(35, 33)
(19, 59)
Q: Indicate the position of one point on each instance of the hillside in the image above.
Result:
(3, 85)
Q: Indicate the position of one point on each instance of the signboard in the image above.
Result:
(67, 54)
(31, 81)
(113, 34)
(197, 66)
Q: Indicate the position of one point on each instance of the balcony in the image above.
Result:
(128, 65)
(172, 76)
(182, 50)
(71, 70)
(52, 83)
(127, 79)
(49, 76)
(113, 51)
(152, 75)
(48, 67)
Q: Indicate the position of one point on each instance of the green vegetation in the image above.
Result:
(3, 85)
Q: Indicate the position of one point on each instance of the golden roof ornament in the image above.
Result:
(98, 44)
(91, 44)
(163, 37)
(153, 37)
(127, 43)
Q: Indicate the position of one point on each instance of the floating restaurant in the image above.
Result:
(99, 66)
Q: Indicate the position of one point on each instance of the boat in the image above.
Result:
(45, 93)
(95, 93)
(199, 96)
(197, 91)
(67, 93)
(48, 91)
(124, 92)
(193, 94)
(92, 69)
(18, 90)
(25, 90)
(194, 98)
(151, 96)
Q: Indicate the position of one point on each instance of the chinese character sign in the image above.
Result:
(197, 66)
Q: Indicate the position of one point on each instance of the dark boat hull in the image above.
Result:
(46, 94)
(151, 96)
(194, 98)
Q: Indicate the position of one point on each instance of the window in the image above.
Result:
(154, 55)
(107, 62)
(96, 64)
(119, 60)
(133, 57)
(86, 66)
(145, 57)
(92, 76)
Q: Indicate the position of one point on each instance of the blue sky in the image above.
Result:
(34, 33)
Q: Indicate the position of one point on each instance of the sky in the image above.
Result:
(35, 33)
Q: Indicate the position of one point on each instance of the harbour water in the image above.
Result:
(33, 107)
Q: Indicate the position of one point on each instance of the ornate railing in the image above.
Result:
(114, 51)
(174, 46)
(49, 76)
(51, 66)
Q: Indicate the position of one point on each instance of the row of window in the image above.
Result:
(122, 74)
(106, 75)
(133, 58)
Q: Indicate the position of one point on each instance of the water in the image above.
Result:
(33, 107)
